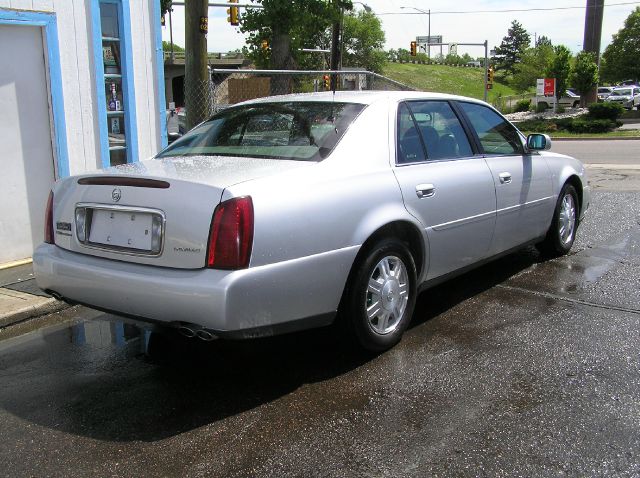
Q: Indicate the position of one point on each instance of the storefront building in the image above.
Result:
(81, 88)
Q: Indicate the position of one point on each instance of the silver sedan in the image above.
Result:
(297, 211)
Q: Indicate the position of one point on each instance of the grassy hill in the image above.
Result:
(445, 79)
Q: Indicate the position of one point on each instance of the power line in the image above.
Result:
(541, 9)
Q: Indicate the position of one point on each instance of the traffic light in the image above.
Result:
(326, 82)
(264, 44)
(233, 14)
(414, 48)
(490, 72)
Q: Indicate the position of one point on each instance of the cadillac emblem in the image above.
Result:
(116, 194)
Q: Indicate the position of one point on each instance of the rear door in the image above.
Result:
(522, 180)
(444, 184)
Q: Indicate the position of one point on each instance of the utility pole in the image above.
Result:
(196, 78)
(335, 51)
(593, 36)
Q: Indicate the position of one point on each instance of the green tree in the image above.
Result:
(166, 46)
(513, 46)
(560, 68)
(165, 6)
(534, 62)
(288, 26)
(584, 74)
(543, 40)
(621, 58)
(362, 41)
(404, 56)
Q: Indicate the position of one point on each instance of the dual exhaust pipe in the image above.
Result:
(192, 330)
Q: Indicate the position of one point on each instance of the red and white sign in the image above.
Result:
(546, 87)
(549, 87)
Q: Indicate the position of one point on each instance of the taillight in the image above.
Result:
(231, 235)
(48, 221)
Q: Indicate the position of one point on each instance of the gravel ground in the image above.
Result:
(529, 115)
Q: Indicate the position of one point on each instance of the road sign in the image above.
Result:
(431, 39)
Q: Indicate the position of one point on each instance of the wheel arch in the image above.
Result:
(404, 230)
(576, 182)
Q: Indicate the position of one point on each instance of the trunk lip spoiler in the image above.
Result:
(124, 181)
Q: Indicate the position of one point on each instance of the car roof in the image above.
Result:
(361, 97)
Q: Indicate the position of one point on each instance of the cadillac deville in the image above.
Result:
(296, 211)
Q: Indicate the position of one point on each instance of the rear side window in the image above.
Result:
(304, 131)
(496, 134)
(441, 130)
(410, 147)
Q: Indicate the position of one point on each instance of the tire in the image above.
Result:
(562, 232)
(386, 276)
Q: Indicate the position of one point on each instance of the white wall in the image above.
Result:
(78, 76)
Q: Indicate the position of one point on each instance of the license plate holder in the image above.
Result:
(121, 229)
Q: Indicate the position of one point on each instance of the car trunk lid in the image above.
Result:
(155, 212)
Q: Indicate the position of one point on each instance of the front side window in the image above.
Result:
(303, 131)
(496, 134)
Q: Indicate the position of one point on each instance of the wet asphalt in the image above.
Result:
(524, 367)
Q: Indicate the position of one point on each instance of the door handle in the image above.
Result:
(505, 178)
(425, 190)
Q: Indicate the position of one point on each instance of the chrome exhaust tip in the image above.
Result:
(205, 335)
(187, 331)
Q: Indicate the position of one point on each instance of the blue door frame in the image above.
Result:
(47, 21)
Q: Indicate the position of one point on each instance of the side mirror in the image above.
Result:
(538, 142)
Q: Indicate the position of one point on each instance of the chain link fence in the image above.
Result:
(228, 87)
(198, 98)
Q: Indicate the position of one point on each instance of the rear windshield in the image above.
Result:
(303, 131)
(625, 92)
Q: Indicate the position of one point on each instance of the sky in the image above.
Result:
(402, 25)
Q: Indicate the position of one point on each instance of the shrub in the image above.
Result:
(522, 105)
(588, 125)
(607, 110)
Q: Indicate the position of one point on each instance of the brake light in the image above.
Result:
(48, 221)
(231, 234)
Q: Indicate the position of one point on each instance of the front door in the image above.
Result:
(522, 181)
(444, 185)
(25, 135)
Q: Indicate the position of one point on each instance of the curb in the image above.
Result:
(612, 138)
(32, 311)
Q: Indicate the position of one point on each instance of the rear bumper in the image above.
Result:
(272, 297)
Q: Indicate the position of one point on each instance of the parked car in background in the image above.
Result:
(627, 96)
(290, 212)
(569, 100)
(604, 92)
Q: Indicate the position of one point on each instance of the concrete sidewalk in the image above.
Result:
(20, 297)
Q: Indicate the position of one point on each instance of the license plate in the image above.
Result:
(126, 229)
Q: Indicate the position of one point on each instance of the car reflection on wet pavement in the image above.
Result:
(521, 367)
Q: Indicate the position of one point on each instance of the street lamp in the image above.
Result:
(366, 7)
(426, 12)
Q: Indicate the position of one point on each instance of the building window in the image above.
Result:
(115, 83)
